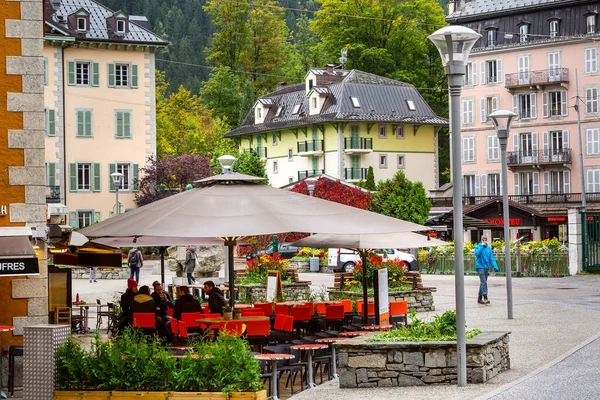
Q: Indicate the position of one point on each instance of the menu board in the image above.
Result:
(273, 285)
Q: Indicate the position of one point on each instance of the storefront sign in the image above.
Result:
(14, 266)
(557, 219)
(500, 221)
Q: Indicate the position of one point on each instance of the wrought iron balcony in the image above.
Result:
(543, 77)
(309, 172)
(539, 157)
(358, 145)
(262, 151)
(310, 147)
(355, 174)
(546, 198)
(52, 194)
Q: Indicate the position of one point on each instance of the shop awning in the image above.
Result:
(89, 255)
(17, 257)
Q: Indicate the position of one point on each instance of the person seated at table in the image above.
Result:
(216, 300)
(143, 302)
(163, 302)
(185, 303)
(126, 301)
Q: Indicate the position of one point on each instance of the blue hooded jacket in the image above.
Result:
(484, 258)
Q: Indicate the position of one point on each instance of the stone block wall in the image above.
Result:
(369, 364)
(291, 292)
(419, 300)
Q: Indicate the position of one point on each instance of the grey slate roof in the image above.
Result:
(381, 100)
(98, 31)
(483, 7)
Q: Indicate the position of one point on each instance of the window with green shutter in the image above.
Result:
(136, 177)
(51, 174)
(45, 71)
(111, 75)
(71, 73)
(84, 123)
(134, 75)
(112, 168)
(122, 124)
(95, 74)
(72, 177)
(51, 122)
(96, 177)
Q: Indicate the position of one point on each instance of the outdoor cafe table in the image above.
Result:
(3, 328)
(309, 349)
(240, 306)
(354, 333)
(332, 340)
(211, 321)
(375, 327)
(272, 359)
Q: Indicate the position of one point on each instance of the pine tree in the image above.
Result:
(370, 183)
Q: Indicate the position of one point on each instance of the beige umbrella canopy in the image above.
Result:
(231, 206)
(404, 240)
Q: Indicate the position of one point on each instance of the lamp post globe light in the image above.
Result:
(454, 44)
(226, 163)
(502, 120)
(117, 177)
(311, 183)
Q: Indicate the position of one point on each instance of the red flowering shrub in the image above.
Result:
(396, 270)
(337, 192)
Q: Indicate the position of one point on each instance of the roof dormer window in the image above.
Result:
(355, 102)
(296, 109)
(121, 26)
(554, 25)
(82, 24)
(258, 112)
(278, 112)
(411, 105)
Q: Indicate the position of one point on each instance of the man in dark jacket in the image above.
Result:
(185, 303)
(163, 301)
(126, 301)
(216, 300)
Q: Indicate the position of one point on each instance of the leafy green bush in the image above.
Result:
(139, 363)
(442, 328)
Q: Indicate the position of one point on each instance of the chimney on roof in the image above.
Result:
(330, 68)
(281, 85)
(451, 7)
(56, 4)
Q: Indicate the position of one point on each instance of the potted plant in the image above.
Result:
(227, 313)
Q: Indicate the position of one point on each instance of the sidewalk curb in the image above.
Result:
(539, 370)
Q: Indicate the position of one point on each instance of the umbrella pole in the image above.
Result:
(162, 264)
(365, 281)
(230, 242)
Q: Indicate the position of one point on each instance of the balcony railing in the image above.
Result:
(360, 143)
(52, 194)
(262, 151)
(546, 198)
(355, 173)
(543, 77)
(562, 156)
(310, 146)
(309, 172)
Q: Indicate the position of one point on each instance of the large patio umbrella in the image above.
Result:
(231, 206)
(363, 244)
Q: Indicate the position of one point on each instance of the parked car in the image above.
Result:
(285, 251)
(344, 260)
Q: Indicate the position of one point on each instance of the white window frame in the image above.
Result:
(593, 180)
(122, 78)
(290, 154)
(79, 28)
(493, 148)
(592, 141)
(126, 181)
(494, 184)
(275, 167)
(470, 74)
(468, 111)
(296, 109)
(258, 113)
(82, 214)
(492, 37)
(469, 185)
(411, 105)
(400, 132)
(314, 103)
(591, 100)
(590, 60)
(275, 140)
(85, 184)
(382, 131)
(401, 161)
(590, 23)
(491, 66)
(555, 96)
(83, 78)
(123, 23)
(523, 33)
(355, 102)
(468, 149)
(383, 161)
(554, 28)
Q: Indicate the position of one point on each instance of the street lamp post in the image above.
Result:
(116, 178)
(502, 120)
(454, 44)
(311, 183)
(226, 162)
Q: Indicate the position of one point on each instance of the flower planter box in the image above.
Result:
(97, 395)
(300, 265)
(197, 395)
(260, 395)
(291, 291)
(139, 395)
(79, 395)
(366, 364)
(420, 300)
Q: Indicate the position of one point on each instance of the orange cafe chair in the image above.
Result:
(143, 320)
(266, 308)
(233, 328)
(250, 312)
(399, 312)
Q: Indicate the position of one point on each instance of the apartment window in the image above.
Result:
(278, 112)
(471, 74)
(296, 109)
(493, 148)
(401, 161)
(468, 149)
(121, 26)
(590, 22)
(467, 111)
(84, 123)
(554, 28)
(591, 100)
(411, 105)
(491, 69)
(314, 102)
(488, 106)
(310, 84)
(591, 60)
(556, 103)
(523, 31)
(121, 75)
(290, 154)
(258, 113)
(275, 140)
(400, 132)
(275, 167)
(85, 218)
(50, 122)
(355, 102)
(528, 182)
(123, 124)
(84, 176)
(125, 169)
(383, 161)
(382, 132)
(494, 185)
(81, 24)
(491, 37)
(558, 180)
(593, 180)
(469, 185)
(82, 73)
(524, 105)
(592, 141)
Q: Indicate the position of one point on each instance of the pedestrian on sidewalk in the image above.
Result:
(93, 271)
(190, 264)
(135, 261)
(484, 259)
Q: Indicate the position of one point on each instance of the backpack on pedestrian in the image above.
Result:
(134, 259)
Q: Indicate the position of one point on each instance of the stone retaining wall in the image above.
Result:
(419, 300)
(101, 273)
(369, 364)
(291, 292)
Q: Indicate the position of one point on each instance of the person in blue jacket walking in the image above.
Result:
(484, 259)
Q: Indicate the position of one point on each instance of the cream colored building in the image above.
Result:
(99, 98)
(340, 122)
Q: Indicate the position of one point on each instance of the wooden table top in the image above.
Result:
(331, 339)
(309, 346)
(375, 327)
(273, 357)
(242, 318)
(6, 328)
(354, 333)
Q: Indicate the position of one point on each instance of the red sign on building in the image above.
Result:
(500, 221)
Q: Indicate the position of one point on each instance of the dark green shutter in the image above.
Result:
(73, 177)
(111, 75)
(95, 74)
(112, 168)
(136, 174)
(134, 75)
(74, 220)
(126, 124)
(96, 177)
(51, 174)
(51, 123)
(119, 123)
(88, 123)
(80, 124)
(71, 73)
